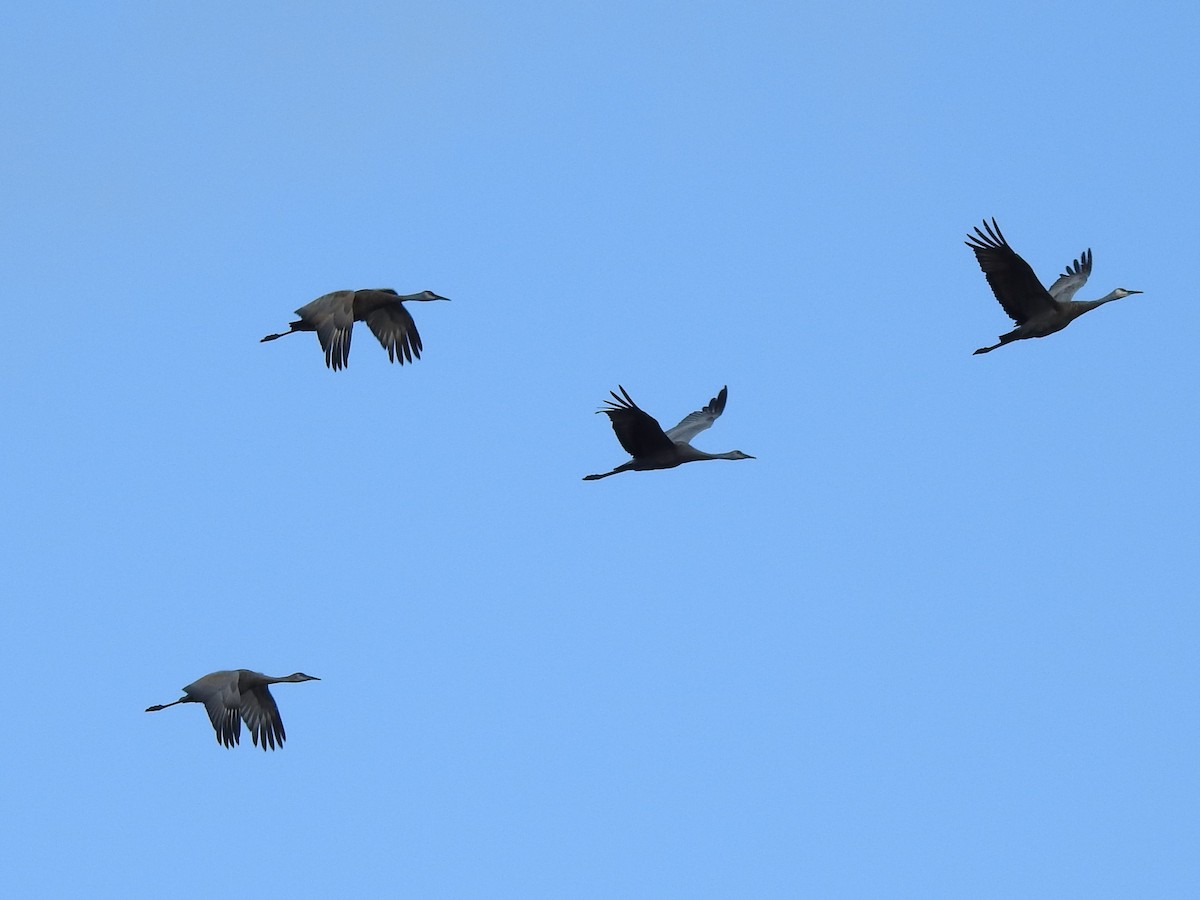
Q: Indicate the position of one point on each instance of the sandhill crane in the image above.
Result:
(1037, 311)
(235, 695)
(333, 316)
(650, 446)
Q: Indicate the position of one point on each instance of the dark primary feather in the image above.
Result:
(637, 430)
(1013, 281)
(263, 720)
(1075, 277)
(335, 342)
(226, 721)
(331, 316)
(1081, 266)
(397, 332)
(716, 405)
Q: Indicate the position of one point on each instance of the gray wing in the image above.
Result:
(701, 419)
(397, 332)
(262, 718)
(637, 430)
(222, 706)
(332, 317)
(1012, 280)
(1073, 279)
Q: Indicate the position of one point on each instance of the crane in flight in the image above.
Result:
(650, 446)
(1036, 310)
(332, 317)
(238, 695)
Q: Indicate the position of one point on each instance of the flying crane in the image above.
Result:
(332, 317)
(650, 446)
(1037, 311)
(238, 695)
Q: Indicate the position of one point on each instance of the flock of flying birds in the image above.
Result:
(240, 695)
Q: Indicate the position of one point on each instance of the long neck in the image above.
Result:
(248, 680)
(691, 454)
(295, 676)
(1076, 308)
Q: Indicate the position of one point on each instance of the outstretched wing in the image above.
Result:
(332, 317)
(637, 430)
(700, 420)
(1013, 281)
(262, 718)
(1073, 279)
(397, 332)
(222, 706)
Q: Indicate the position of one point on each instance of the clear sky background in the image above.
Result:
(937, 640)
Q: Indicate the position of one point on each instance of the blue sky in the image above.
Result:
(937, 640)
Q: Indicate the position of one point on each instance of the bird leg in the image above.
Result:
(1014, 335)
(624, 467)
(293, 327)
(165, 705)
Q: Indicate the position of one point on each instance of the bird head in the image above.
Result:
(1123, 292)
(300, 676)
(428, 295)
(738, 454)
